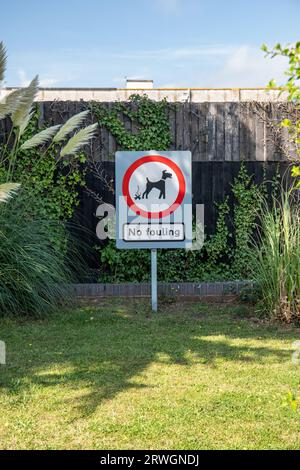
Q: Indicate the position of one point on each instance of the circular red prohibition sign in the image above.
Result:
(158, 159)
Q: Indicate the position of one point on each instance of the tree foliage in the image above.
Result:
(292, 88)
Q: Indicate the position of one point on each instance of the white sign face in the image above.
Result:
(153, 195)
(153, 232)
(150, 186)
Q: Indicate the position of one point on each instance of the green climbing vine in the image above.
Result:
(148, 117)
(247, 199)
(53, 188)
(225, 254)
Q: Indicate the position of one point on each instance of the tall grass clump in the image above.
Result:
(33, 274)
(276, 258)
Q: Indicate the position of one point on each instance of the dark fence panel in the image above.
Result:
(212, 131)
(211, 182)
(219, 135)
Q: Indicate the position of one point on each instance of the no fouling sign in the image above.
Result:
(153, 197)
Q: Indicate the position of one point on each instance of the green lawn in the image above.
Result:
(110, 377)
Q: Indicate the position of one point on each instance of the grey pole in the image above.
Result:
(154, 279)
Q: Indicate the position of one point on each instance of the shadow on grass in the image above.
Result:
(105, 349)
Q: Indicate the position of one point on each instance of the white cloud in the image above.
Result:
(171, 85)
(24, 81)
(169, 6)
(171, 54)
(44, 81)
(48, 82)
(247, 66)
(121, 81)
(199, 65)
(216, 65)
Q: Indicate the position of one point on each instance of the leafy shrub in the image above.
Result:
(54, 184)
(250, 293)
(46, 160)
(246, 207)
(292, 88)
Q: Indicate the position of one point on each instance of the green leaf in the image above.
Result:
(295, 171)
(271, 84)
(264, 48)
(286, 123)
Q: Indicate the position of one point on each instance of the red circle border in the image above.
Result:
(159, 159)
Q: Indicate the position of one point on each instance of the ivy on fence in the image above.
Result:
(148, 117)
(53, 188)
(224, 254)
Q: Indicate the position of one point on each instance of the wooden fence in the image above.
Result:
(211, 183)
(220, 136)
(212, 131)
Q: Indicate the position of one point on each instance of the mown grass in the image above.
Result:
(112, 377)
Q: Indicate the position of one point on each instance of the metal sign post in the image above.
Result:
(153, 203)
(154, 279)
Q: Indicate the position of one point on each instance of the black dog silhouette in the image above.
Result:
(160, 185)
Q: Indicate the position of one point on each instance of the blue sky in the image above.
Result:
(193, 43)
